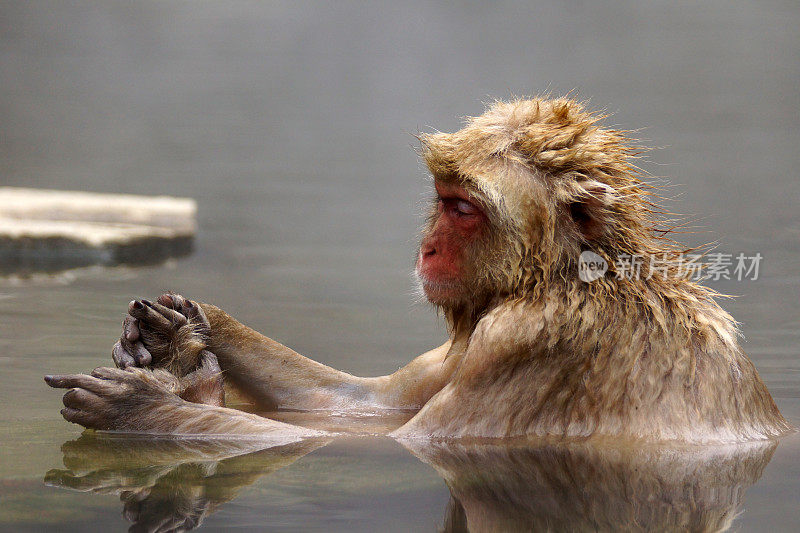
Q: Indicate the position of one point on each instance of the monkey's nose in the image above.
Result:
(427, 250)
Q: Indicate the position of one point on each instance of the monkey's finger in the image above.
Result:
(171, 300)
(78, 398)
(134, 350)
(84, 418)
(173, 316)
(75, 381)
(108, 373)
(196, 316)
(70, 414)
(189, 309)
(130, 328)
(148, 315)
(122, 358)
(141, 355)
(166, 300)
(127, 344)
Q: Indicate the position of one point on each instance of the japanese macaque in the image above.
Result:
(534, 350)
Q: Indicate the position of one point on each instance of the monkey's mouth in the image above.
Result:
(438, 291)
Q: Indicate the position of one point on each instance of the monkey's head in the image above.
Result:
(520, 191)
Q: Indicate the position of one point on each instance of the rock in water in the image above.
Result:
(46, 230)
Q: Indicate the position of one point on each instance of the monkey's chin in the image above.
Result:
(443, 293)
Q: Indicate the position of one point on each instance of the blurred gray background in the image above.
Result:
(292, 124)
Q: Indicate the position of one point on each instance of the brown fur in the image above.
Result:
(653, 358)
(178, 349)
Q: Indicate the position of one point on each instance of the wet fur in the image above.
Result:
(177, 351)
(548, 354)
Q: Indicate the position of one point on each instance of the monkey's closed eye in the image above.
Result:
(458, 207)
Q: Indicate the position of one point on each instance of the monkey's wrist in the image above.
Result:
(218, 321)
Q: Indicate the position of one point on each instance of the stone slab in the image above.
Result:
(53, 230)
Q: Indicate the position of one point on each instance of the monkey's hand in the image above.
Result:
(115, 399)
(204, 385)
(129, 399)
(139, 400)
(170, 334)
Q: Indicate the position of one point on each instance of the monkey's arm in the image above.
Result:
(141, 401)
(172, 331)
(278, 376)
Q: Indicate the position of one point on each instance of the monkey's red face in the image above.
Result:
(445, 264)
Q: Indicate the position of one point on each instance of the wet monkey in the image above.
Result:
(533, 350)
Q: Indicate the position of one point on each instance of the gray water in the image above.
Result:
(292, 125)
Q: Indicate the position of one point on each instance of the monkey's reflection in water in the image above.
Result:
(591, 487)
(171, 485)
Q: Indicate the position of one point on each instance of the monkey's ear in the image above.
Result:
(591, 209)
